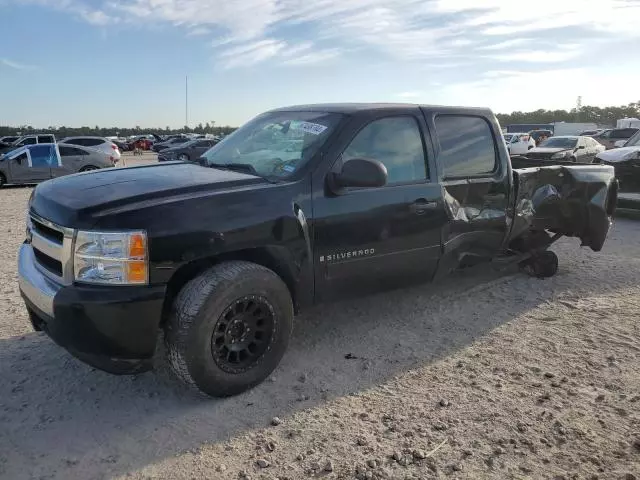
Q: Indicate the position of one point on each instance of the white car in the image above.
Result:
(519, 143)
(97, 143)
(625, 160)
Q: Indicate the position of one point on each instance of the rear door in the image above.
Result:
(72, 159)
(368, 239)
(475, 184)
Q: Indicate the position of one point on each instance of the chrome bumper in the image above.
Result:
(35, 286)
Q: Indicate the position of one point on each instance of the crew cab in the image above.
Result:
(301, 205)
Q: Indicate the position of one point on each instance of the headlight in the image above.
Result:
(559, 155)
(115, 258)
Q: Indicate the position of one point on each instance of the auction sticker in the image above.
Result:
(314, 128)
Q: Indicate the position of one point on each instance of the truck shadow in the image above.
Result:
(60, 417)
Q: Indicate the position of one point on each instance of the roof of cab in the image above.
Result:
(350, 108)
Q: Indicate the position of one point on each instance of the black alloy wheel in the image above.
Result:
(243, 334)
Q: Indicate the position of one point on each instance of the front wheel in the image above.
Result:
(229, 328)
(88, 168)
(3, 180)
(183, 157)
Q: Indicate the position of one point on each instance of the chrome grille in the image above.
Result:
(52, 246)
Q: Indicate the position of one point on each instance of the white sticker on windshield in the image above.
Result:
(314, 128)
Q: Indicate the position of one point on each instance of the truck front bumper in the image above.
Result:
(113, 328)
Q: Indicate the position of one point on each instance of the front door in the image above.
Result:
(20, 171)
(368, 239)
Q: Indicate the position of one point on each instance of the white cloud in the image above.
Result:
(515, 42)
(15, 65)
(313, 58)
(96, 17)
(562, 53)
(409, 94)
(198, 31)
(403, 30)
(248, 54)
(550, 89)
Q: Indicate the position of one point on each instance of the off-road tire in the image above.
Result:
(541, 265)
(196, 311)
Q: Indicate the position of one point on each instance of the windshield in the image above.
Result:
(634, 141)
(274, 144)
(559, 142)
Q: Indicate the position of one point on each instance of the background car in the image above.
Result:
(591, 133)
(8, 140)
(566, 148)
(31, 139)
(97, 143)
(626, 162)
(158, 147)
(608, 138)
(538, 134)
(31, 164)
(187, 152)
(519, 143)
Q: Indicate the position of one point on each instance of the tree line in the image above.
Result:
(63, 131)
(604, 116)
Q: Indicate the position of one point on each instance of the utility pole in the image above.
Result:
(578, 108)
(186, 101)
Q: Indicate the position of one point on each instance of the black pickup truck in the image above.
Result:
(299, 206)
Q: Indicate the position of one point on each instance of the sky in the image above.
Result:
(124, 62)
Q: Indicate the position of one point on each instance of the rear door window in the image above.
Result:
(467, 146)
(46, 139)
(92, 142)
(71, 151)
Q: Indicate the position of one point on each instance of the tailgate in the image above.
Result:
(575, 201)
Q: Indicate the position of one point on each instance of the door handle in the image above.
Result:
(421, 206)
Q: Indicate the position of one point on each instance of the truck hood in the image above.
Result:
(617, 154)
(76, 199)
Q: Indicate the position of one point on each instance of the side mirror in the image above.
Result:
(361, 172)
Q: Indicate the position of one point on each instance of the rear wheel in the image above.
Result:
(183, 157)
(88, 168)
(229, 328)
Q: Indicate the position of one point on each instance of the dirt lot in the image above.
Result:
(483, 376)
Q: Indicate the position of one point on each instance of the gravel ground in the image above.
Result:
(485, 375)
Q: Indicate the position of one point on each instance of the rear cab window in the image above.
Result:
(466, 146)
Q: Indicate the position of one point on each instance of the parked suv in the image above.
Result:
(98, 143)
(608, 138)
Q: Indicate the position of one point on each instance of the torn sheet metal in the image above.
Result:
(576, 201)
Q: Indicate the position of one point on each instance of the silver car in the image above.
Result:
(37, 163)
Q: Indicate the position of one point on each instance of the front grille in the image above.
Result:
(51, 264)
(52, 248)
(539, 155)
(47, 232)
